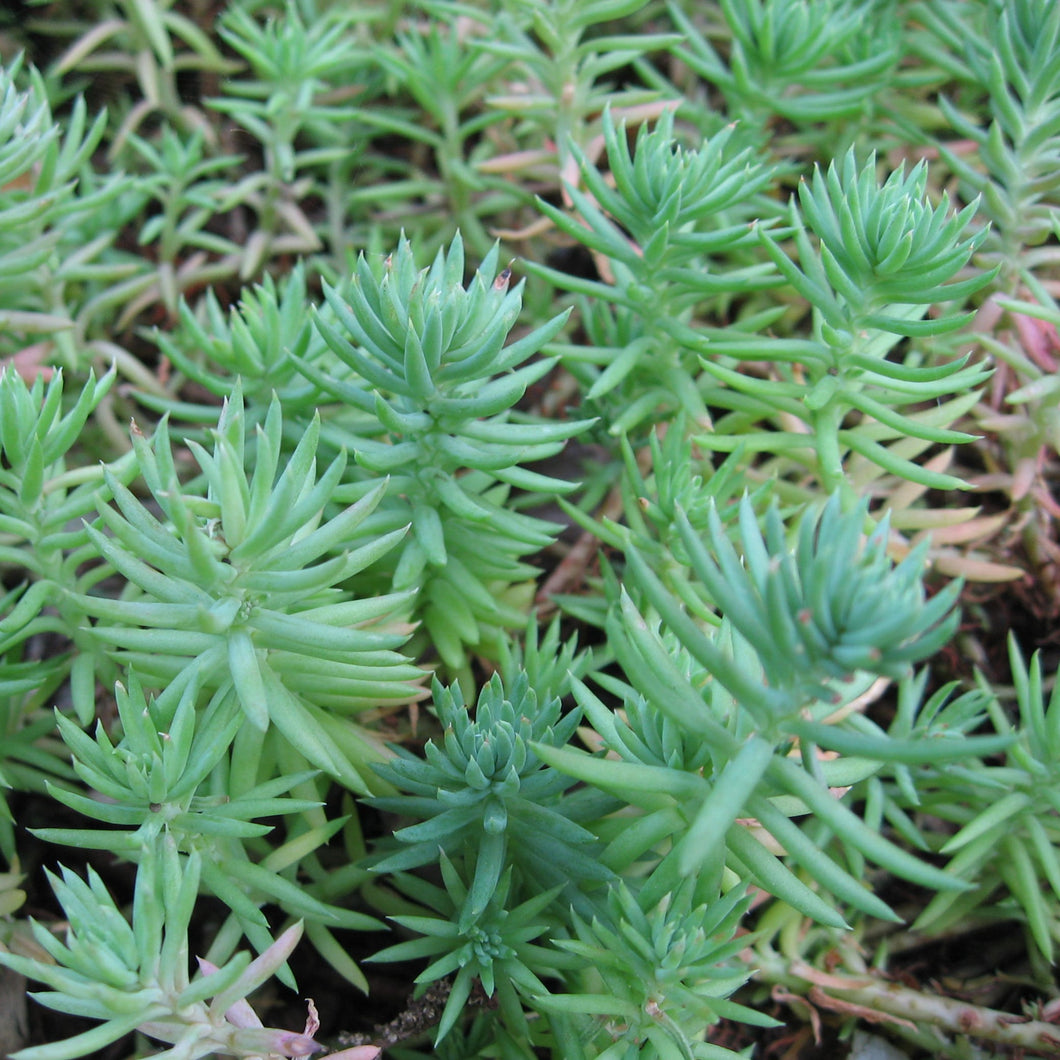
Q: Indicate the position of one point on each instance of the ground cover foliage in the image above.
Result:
(531, 524)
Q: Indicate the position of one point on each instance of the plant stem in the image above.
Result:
(826, 423)
(845, 993)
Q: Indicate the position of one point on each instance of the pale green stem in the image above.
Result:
(451, 165)
(826, 423)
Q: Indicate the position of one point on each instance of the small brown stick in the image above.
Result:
(569, 570)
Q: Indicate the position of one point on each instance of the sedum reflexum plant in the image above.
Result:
(1006, 840)
(801, 63)
(262, 341)
(565, 69)
(134, 975)
(188, 788)
(433, 370)
(42, 500)
(883, 255)
(664, 971)
(1010, 54)
(335, 643)
(769, 682)
(231, 593)
(486, 796)
(278, 101)
(55, 244)
(669, 227)
(496, 949)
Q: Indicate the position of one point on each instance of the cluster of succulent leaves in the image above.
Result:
(400, 299)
